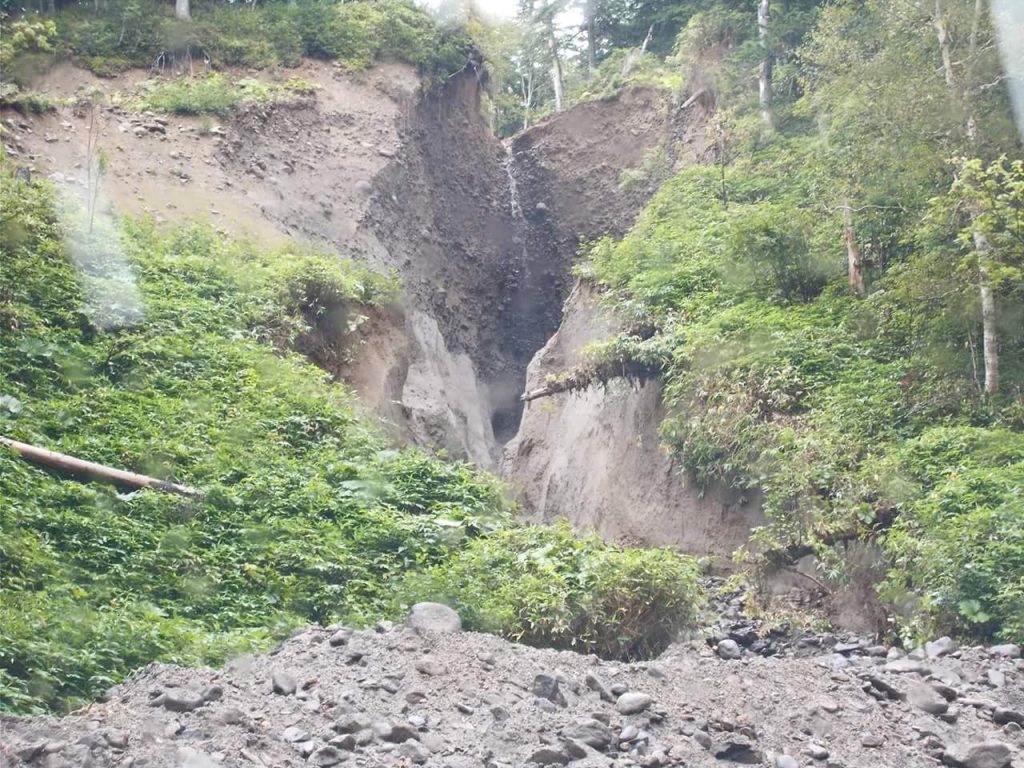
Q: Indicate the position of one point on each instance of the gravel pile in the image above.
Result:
(426, 693)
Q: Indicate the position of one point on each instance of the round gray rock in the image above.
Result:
(729, 649)
(632, 703)
(434, 617)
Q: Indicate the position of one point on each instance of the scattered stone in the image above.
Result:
(352, 723)
(871, 740)
(549, 756)
(926, 698)
(632, 703)
(817, 751)
(728, 649)
(883, 688)
(545, 687)
(326, 756)
(941, 647)
(182, 700)
(117, 738)
(1006, 651)
(1001, 716)
(283, 683)
(907, 666)
(341, 637)
(737, 752)
(414, 751)
(829, 705)
(429, 666)
(989, 754)
(293, 734)
(595, 683)
(786, 761)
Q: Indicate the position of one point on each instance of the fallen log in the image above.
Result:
(65, 463)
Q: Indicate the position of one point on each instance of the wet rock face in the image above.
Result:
(407, 695)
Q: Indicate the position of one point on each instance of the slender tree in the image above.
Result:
(764, 76)
(590, 19)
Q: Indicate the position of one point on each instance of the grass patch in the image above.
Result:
(216, 94)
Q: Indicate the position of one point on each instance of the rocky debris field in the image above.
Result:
(426, 693)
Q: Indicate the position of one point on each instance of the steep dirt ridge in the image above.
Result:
(377, 168)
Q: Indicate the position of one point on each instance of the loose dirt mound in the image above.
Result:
(396, 697)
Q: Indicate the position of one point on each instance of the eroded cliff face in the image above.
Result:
(483, 235)
(595, 457)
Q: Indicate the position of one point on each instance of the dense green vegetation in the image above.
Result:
(168, 353)
(120, 34)
(818, 292)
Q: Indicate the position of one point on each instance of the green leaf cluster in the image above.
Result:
(354, 33)
(548, 586)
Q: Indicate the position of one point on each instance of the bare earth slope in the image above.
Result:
(397, 697)
(596, 457)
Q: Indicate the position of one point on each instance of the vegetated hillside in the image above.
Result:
(168, 353)
(838, 301)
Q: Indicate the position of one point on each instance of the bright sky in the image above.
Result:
(492, 10)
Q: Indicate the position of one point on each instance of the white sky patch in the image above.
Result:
(497, 11)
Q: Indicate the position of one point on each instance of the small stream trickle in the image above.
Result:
(506, 413)
(513, 186)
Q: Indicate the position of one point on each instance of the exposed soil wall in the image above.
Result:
(595, 457)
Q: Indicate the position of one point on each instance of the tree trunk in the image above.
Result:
(65, 463)
(989, 330)
(764, 77)
(855, 264)
(591, 20)
(942, 31)
(556, 69)
(181, 10)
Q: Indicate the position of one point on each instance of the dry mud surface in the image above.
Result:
(399, 696)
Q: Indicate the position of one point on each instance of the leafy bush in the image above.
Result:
(143, 33)
(778, 377)
(544, 586)
(958, 544)
(26, 102)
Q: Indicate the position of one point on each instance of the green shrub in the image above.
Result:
(957, 548)
(143, 33)
(215, 94)
(544, 586)
(26, 102)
